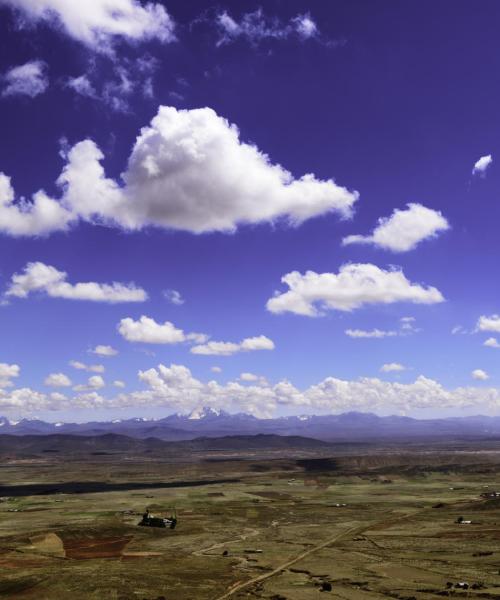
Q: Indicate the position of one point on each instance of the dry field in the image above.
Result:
(359, 527)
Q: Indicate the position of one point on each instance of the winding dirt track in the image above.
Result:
(242, 537)
(336, 538)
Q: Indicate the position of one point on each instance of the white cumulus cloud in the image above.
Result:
(406, 327)
(148, 331)
(95, 382)
(39, 277)
(175, 387)
(491, 323)
(98, 23)
(41, 216)
(76, 364)
(214, 348)
(480, 374)
(249, 377)
(392, 367)
(404, 229)
(57, 380)
(192, 172)
(354, 286)
(252, 378)
(102, 350)
(491, 343)
(29, 79)
(189, 171)
(7, 373)
(482, 164)
(27, 401)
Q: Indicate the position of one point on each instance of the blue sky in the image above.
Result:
(153, 201)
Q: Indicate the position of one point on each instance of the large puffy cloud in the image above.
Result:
(192, 172)
(404, 229)
(29, 79)
(355, 285)
(39, 277)
(188, 170)
(148, 331)
(213, 348)
(96, 23)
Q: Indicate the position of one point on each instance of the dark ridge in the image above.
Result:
(318, 464)
(93, 487)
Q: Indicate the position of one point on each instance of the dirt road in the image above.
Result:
(336, 538)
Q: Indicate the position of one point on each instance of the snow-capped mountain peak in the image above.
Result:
(204, 412)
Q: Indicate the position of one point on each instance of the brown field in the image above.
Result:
(304, 525)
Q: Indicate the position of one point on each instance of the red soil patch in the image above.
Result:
(86, 548)
(21, 563)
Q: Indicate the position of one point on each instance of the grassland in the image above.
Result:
(368, 525)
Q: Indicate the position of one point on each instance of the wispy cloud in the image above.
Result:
(29, 79)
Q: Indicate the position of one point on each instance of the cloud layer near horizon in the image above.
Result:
(176, 388)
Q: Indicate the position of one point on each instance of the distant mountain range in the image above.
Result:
(210, 423)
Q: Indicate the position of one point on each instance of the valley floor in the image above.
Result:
(276, 529)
